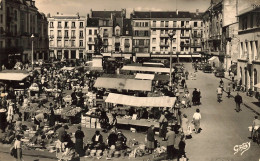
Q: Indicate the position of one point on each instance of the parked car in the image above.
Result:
(219, 72)
(207, 68)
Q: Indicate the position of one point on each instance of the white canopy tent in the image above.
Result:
(68, 68)
(147, 69)
(13, 76)
(257, 85)
(144, 76)
(214, 61)
(164, 101)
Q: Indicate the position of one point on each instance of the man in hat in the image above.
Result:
(79, 136)
(170, 137)
(238, 100)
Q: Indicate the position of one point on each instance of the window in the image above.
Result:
(95, 32)
(90, 32)
(195, 24)
(146, 50)
(72, 43)
(154, 32)
(166, 23)
(127, 41)
(127, 49)
(66, 43)
(182, 23)
(136, 33)
(59, 24)
(174, 23)
(51, 33)
(80, 43)
(153, 49)
(162, 24)
(73, 24)
(90, 39)
(66, 33)
(146, 33)
(117, 32)
(187, 23)
(81, 33)
(90, 47)
(66, 24)
(154, 23)
(59, 43)
(127, 32)
(51, 42)
(174, 40)
(51, 24)
(154, 40)
(161, 48)
(73, 54)
(73, 33)
(59, 54)
(81, 25)
(146, 24)
(59, 33)
(1, 18)
(136, 50)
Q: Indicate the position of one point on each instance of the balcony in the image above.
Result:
(73, 36)
(66, 36)
(163, 44)
(196, 35)
(185, 36)
(185, 44)
(81, 26)
(59, 27)
(165, 27)
(51, 26)
(163, 35)
(105, 34)
(195, 44)
(66, 27)
(59, 36)
(127, 44)
(91, 42)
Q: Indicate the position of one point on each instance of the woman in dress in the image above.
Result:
(196, 120)
(184, 125)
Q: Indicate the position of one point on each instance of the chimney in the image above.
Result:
(90, 15)
(48, 15)
(87, 15)
(177, 12)
(197, 12)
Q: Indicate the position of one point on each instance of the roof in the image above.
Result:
(105, 14)
(121, 83)
(92, 22)
(196, 16)
(127, 26)
(160, 14)
(118, 76)
(144, 76)
(13, 76)
(141, 101)
(147, 69)
(61, 16)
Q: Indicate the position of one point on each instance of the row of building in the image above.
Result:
(19, 20)
(143, 35)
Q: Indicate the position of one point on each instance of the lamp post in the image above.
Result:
(171, 34)
(32, 50)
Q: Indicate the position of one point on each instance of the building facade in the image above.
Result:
(249, 52)
(19, 20)
(67, 36)
(212, 40)
(150, 34)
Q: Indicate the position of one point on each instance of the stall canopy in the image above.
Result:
(67, 68)
(141, 101)
(147, 69)
(121, 83)
(144, 76)
(257, 85)
(214, 61)
(13, 76)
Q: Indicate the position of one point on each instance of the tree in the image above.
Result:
(98, 45)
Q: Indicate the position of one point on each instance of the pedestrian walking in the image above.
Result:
(163, 122)
(186, 75)
(79, 136)
(182, 145)
(170, 137)
(228, 90)
(150, 139)
(196, 120)
(18, 147)
(238, 100)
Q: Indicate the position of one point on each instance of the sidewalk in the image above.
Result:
(250, 102)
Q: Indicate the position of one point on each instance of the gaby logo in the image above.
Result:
(241, 148)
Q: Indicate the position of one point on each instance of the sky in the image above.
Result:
(84, 6)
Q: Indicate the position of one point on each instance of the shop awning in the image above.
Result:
(213, 58)
(147, 69)
(67, 68)
(141, 101)
(13, 76)
(257, 85)
(144, 76)
(121, 83)
(160, 77)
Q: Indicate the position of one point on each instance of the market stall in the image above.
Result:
(68, 68)
(146, 69)
(126, 84)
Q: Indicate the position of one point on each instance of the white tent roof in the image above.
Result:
(164, 101)
(257, 85)
(147, 69)
(13, 76)
(122, 83)
(67, 68)
(212, 58)
(144, 76)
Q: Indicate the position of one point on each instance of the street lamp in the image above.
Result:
(171, 34)
(32, 50)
